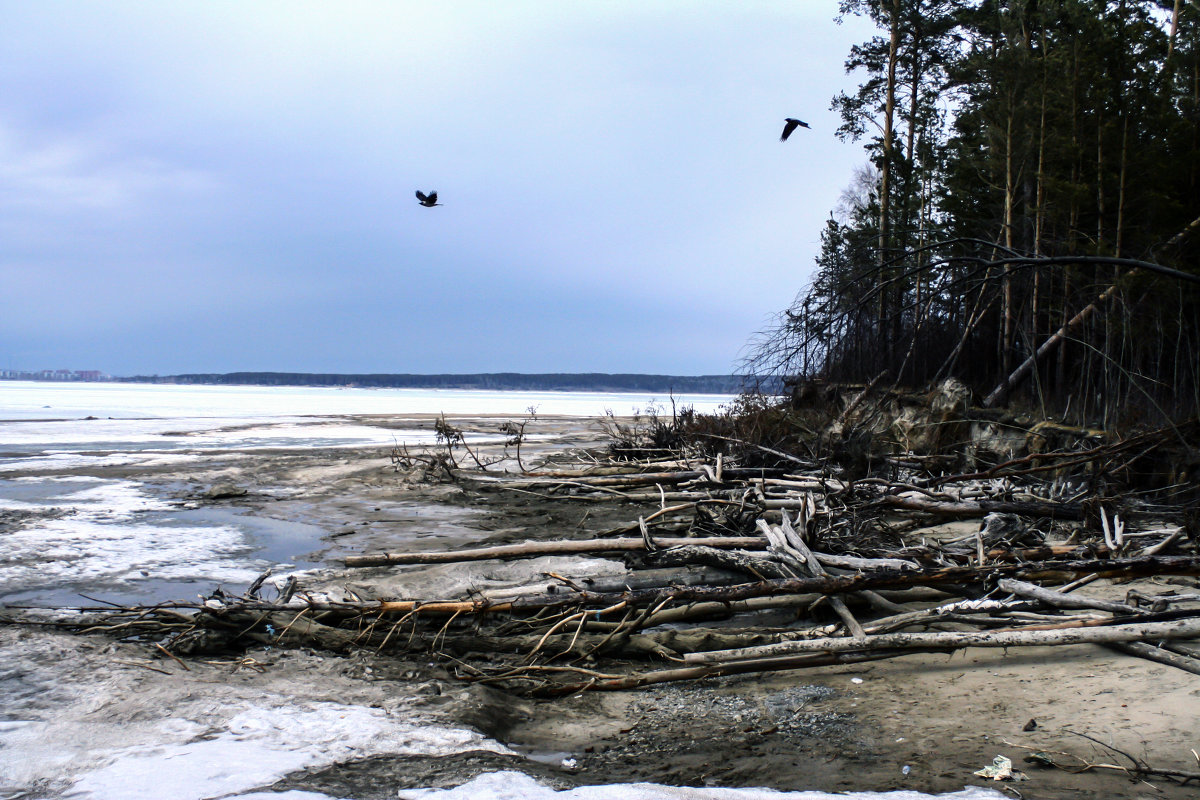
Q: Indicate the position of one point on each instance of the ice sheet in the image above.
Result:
(36, 400)
(195, 433)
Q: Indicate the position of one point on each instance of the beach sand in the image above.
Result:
(86, 714)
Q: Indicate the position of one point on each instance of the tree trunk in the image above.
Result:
(1023, 371)
(1100, 634)
(1006, 335)
(534, 549)
(885, 169)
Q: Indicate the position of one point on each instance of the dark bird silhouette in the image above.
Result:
(428, 200)
(789, 126)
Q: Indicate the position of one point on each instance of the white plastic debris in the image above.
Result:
(1001, 769)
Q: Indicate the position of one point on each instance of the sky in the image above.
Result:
(207, 186)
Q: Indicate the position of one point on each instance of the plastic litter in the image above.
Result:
(1001, 769)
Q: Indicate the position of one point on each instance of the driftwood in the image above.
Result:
(708, 611)
(795, 542)
(636, 680)
(859, 563)
(1177, 629)
(797, 588)
(982, 508)
(1162, 656)
(1060, 599)
(883, 579)
(549, 630)
(737, 560)
(647, 478)
(641, 579)
(833, 584)
(533, 549)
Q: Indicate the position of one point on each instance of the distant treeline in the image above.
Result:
(494, 381)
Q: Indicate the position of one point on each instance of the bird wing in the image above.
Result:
(421, 196)
(788, 128)
(433, 197)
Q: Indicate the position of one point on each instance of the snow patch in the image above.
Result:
(518, 786)
(260, 745)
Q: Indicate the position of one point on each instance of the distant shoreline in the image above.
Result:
(492, 381)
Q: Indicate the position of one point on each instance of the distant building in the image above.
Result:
(53, 375)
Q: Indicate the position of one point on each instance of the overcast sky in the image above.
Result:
(219, 186)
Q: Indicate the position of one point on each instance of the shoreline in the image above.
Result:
(830, 729)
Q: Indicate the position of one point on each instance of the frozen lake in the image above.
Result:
(62, 425)
(37, 400)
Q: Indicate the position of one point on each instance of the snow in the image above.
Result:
(34, 400)
(48, 438)
(518, 786)
(223, 749)
(259, 745)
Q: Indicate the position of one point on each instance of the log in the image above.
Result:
(293, 629)
(834, 584)
(648, 478)
(1176, 629)
(806, 661)
(825, 485)
(857, 563)
(1061, 599)
(695, 611)
(534, 549)
(983, 507)
(635, 645)
(641, 579)
(775, 505)
(736, 560)
(882, 579)
(606, 494)
(1191, 650)
(957, 609)
(1152, 653)
(1048, 551)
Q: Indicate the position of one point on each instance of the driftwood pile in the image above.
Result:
(738, 569)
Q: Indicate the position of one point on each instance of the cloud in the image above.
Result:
(165, 165)
(67, 174)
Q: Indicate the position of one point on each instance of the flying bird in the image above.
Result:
(789, 126)
(427, 200)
